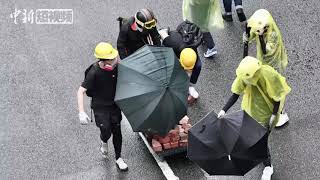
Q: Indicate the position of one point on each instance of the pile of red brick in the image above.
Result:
(176, 138)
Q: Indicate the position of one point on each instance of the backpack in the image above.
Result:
(191, 33)
(122, 21)
(89, 91)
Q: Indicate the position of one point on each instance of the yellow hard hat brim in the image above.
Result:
(247, 67)
(113, 55)
(186, 67)
(259, 19)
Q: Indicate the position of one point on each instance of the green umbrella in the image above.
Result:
(152, 90)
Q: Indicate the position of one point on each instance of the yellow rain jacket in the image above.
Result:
(260, 92)
(204, 13)
(276, 53)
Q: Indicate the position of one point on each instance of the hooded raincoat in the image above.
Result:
(204, 13)
(276, 55)
(260, 92)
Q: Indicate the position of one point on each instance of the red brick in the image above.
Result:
(164, 140)
(174, 139)
(191, 100)
(166, 146)
(174, 132)
(156, 146)
(180, 129)
(183, 143)
(174, 144)
(183, 136)
(186, 126)
(184, 120)
(177, 128)
(156, 137)
(186, 130)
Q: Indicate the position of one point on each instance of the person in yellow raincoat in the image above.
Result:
(206, 14)
(264, 91)
(262, 29)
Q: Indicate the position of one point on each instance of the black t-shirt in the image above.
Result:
(102, 84)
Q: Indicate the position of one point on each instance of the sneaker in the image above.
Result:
(283, 119)
(267, 173)
(193, 92)
(210, 52)
(104, 149)
(242, 17)
(121, 164)
(227, 17)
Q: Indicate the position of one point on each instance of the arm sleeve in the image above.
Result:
(233, 99)
(238, 86)
(263, 44)
(276, 106)
(156, 38)
(88, 82)
(252, 35)
(248, 29)
(166, 41)
(272, 43)
(121, 42)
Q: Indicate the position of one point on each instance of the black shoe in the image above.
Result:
(227, 17)
(242, 17)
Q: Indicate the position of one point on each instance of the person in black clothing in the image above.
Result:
(227, 16)
(175, 40)
(100, 80)
(136, 32)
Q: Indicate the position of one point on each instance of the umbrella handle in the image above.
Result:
(203, 128)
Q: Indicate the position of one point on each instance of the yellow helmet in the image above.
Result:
(105, 51)
(247, 67)
(188, 58)
(260, 20)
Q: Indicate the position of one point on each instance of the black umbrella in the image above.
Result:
(232, 145)
(152, 90)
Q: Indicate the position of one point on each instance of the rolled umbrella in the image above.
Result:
(246, 44)
(232, 145)
(152, 90)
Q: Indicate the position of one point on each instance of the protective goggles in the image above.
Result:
(148, 25)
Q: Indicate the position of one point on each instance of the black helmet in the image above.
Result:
(145, 19)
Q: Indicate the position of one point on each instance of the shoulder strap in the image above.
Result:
(120, 19)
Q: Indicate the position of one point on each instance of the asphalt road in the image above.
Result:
(42, 67)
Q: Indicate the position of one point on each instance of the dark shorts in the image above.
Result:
(104, 116)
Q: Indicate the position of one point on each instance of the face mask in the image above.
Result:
(110, 67)
(139, 28)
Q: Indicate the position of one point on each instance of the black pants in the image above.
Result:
(108, 121)
(227, 4)
(267, 162)
(208, 40)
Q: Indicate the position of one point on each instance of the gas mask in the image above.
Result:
(139, 28)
